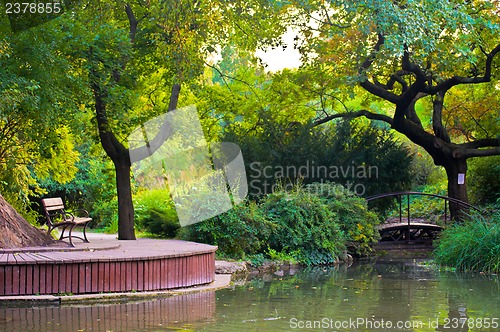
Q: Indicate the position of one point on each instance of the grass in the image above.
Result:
(473, 245)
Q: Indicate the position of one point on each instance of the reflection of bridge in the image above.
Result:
(415, 229)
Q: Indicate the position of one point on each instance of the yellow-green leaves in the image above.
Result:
(60, 158)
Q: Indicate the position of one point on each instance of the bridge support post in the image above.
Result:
(408, 230)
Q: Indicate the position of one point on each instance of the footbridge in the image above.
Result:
(416, 226)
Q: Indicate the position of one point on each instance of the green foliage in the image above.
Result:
(471, 246)
(382, 162)
(312, 225)
(155, 212)
(92, 187)
(305, 227)
(483, 179)
(364, 158)
(37, 102)
(242, 231)
(107, 213)
(357, 223)
(424, 172)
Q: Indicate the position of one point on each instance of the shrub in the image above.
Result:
(240, 232)
(484, 184)
(357, 223)
(471, 246)
(93, 188)
(305, 227)
(155, 212)
(336, 151)
(311, 225)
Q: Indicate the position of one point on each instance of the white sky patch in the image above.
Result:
(279, 58)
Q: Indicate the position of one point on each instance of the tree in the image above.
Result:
(137, 52)
(38, 107)
(113, 66)
(412, 54)
(271, 117)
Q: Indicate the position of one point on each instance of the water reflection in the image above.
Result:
(155, 315)
(419, 298)
(368, 294)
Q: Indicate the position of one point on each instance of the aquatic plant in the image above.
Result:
(473, 245)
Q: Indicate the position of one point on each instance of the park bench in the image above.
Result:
(57, 216)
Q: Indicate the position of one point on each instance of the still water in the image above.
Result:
(382, 296)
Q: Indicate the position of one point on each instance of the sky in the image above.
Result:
(278, 58)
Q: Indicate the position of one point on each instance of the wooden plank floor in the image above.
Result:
(413, 225)
(137, 265)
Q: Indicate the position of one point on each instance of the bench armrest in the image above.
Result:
(80, 213)
(68, 216)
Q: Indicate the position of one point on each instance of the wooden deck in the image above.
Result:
(106, 265)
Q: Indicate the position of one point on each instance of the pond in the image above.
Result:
(400, 295)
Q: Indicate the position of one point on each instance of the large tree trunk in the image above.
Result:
(16, 232)
(456, 171)
(119, 154)
(125, 204)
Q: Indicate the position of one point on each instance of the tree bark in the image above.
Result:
(453, 168)
(125, 204)
(119, 154)
(16, 232)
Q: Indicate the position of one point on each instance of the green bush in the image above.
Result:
(365, 158)
(357, 223)
(155, 212)
(483, 180)
(306, 229)
(471, 246)
(240, 232)
(312, 225)
(107, 213)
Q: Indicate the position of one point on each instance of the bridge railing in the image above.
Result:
(399, 196)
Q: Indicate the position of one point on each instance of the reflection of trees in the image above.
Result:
(311, 294)
(470, 296)
(408, 292)
(395, 291)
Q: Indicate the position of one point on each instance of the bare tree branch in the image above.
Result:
(481, 143)
(471, 153)
(357, 114)
(437, 117)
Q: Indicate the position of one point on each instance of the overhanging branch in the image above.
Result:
(481, 143)
(163, 133)
(357, 114)
(470, 153)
